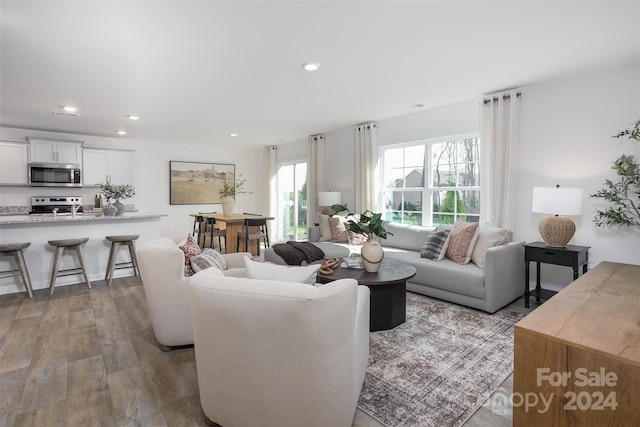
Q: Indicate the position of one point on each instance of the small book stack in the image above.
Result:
(352, 262)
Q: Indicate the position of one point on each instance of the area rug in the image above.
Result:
(438, 367)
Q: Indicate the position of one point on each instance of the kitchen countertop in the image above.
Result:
(66, 217)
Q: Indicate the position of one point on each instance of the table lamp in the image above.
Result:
(328, 198)
(556, 230)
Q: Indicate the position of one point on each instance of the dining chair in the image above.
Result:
(261, 233)
(214, 232)
(197, 231)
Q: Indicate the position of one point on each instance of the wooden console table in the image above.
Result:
(577, 356)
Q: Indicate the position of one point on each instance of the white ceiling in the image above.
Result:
(197, 70)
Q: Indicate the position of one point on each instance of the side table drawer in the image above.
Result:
(551, 256)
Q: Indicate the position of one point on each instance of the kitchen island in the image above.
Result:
(39, 229)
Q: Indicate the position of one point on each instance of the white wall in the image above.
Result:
(566, 130)
(152, 176)
(566, 138)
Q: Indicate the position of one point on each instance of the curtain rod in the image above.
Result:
(497, 98)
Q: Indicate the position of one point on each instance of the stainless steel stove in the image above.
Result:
(63, 204)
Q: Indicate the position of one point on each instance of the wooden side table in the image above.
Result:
(538, 252)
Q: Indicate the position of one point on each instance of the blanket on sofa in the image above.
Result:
(295, 253)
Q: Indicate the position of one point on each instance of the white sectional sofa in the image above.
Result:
(489, 288)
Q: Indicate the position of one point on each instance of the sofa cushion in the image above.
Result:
(283, 273)
(462, 240)
(325, 230)
(435, 246)
(488, 237)
(465, 279)
(208, 258)
(190, 248)
(405, 236)
(338, 229)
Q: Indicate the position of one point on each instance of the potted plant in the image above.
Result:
(624, 195)
(370, 225)
(228, 193)
(116, 192)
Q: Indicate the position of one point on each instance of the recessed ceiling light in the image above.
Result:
(121, 132)
(310, 66)
(233, 134)
(133, 117)
(70, 108)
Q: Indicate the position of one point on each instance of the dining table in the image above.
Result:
(233, 224)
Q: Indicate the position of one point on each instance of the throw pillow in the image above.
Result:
(338, 229)
(267, 271)
(462, 239)
(435, 246)
(190, 248)
(356, 238)
(208, 258)
(325, 230)
(489, 237)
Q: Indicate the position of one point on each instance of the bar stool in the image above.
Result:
(60, 246)
(116, 241)
(15, 249)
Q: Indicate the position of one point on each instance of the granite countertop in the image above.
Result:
(66, 217)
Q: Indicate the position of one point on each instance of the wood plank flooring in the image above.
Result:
(89, 358)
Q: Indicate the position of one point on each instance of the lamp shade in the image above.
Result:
(329, 198)
(557, 200)
(556, 230)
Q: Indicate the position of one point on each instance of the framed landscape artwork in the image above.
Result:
(196, 183)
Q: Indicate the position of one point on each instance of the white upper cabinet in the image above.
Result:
(53, 150)
(13, 163)
(103, 165)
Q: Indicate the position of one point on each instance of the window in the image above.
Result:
(292, 188)
(450, 191)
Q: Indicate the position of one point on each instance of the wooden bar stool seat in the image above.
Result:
(127, 240)
(61, 245)
(15, 249)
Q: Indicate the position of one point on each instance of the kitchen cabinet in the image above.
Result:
(54, 150)
(13, 163)
(104, 165)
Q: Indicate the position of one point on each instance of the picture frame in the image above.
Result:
(198, 183)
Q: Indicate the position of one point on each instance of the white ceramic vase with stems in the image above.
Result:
(372, 254)
(228, 204)
(109, 210)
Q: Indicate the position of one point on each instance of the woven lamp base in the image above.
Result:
(556, 231)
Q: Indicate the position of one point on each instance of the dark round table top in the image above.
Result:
(390, 272)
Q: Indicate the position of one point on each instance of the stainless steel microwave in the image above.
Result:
(55, 175)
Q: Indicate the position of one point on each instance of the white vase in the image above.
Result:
(372, 255)
(228, 204)
(121, 208)
(109, 210)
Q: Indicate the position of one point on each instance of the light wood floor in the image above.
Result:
(89, 358)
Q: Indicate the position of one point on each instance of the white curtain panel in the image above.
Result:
(270, 182)
(499, 144)
(366, 149)
(315, 175)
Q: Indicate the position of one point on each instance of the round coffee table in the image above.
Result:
(388, 291)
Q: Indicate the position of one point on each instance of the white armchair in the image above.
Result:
(277, 353)
(161, 264)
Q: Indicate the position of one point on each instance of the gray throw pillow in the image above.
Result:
(435, 246)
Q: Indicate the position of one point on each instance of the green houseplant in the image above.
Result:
(369, 224)
(231, 190)
(116, 192)
(624, 194)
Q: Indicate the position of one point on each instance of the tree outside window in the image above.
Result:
(452, 187)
